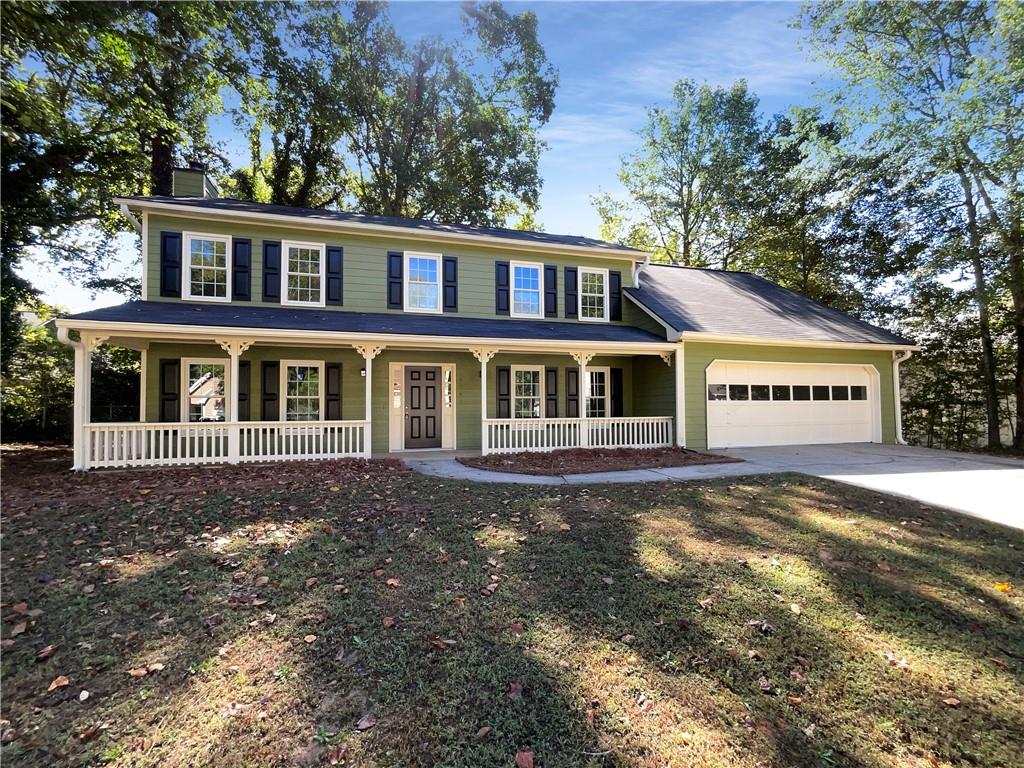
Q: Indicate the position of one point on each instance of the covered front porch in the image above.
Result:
(209, 397)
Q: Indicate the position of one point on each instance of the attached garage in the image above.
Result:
(774, 403)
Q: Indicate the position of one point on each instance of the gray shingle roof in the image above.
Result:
(243, 206)
(743, 304)
(339, 321)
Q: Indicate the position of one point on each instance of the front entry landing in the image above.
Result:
(422, 406)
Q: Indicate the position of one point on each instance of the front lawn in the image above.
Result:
(573, 461)
(353, 614)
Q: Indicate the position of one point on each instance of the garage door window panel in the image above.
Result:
(780, 392)
(739, 392)
(840, 392)
(858, 393)
(820, 392)
(759, 392)
(716, 392)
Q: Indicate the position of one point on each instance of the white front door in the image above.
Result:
(750, 404)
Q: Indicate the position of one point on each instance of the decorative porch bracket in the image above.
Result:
(666, 357)
(235, 349)
(368, 352)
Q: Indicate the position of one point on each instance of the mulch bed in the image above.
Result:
(583, 460)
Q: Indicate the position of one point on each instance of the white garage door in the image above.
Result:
(790, 404)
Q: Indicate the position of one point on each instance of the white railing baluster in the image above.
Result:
(515, 435)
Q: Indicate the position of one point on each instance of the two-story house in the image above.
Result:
(270, 333)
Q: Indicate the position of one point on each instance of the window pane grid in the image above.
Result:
(302, 393)
(208, 268)
(592, 295)
(526, 290)
(423, 285)
(526, 394)
(206, 392)
(304, 274)
(786, 392)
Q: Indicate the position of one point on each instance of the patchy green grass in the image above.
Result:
(344, 613)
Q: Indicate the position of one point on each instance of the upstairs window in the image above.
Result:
(593, 294)
(302, 384)
(422, 282)
(205, 390)
(526, 290)
(303, 274)
(206, 276)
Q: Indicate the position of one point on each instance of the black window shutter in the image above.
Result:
(170, 264)
(394, 280)
(615, 295)
(551, 393)
(244, 387)
(451, 284)
(616, 392)
(503, 388)
(332, 391)
(271, 271)
(550, 290)
(170, 390)
(271, 386)
(241, 269)
(501, 288)
(335, 267)
(570, 291)
(572, 392)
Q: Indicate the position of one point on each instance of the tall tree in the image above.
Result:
(689, 181)
(102, 99)
(437, 129)
(943, 84)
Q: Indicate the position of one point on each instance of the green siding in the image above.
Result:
(365, 271)
(654, 387)
(187, 183)
(699, 356)
(633, 315)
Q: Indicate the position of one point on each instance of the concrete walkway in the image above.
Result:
(987, 487)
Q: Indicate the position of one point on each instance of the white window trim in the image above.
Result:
(512, 289)
(186, 266)
(322, 247)
(436, 257)
(607, 371)
(579, 294)
(186, 362)
(283, 388)
(512, 393)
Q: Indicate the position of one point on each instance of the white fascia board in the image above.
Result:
(171, 332)
(379, 230)
(697, 336)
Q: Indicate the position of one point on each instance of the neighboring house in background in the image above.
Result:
(325, 334)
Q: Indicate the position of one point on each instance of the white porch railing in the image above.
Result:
(164, 444)
(515, 435)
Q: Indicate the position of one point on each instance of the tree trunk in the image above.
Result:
(161, 163)
(1016, 253)
(988, 358)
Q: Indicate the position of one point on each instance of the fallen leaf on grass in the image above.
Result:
(524, 759)
(608, 580)
(388, 621)
(19, 628)
(1004, 586)
(21, 608)
(366, 722)
(58, 682)
(138, 672)
(952, 701)
(484, 732)
(794, 700)
(309, 639)
(261, 581)
(91, 732)
(311, 581)
(794, 608)
(561, 527)
(442, 644)
(764, 684)
(515, 692)
(84, 695)
(755, 654)
(46, 652)
(89, 589)
(517, 629)
(393, 582)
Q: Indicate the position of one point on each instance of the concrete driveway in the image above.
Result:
(983, 486)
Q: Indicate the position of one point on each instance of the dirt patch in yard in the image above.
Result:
(577, 461)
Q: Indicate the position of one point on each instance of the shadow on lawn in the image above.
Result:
(630, 673)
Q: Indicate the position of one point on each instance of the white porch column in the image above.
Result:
(680, 397)
(143, 363)
(82, 410)
(235, 348)
(368, 352)
(582, 358)
(484, 356)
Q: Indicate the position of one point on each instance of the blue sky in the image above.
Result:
(614, 59)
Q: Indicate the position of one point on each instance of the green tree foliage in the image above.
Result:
(435, 129)
(689, 180)
(99, 100)
(942, 85)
